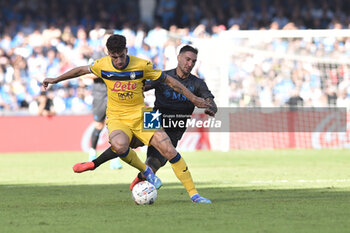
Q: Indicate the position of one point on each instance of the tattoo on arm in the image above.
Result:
(173, 84)
(213, 107)
(177, 88)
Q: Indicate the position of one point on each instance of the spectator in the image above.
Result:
(33, 45)
(295, 100)
(166, 12)
(45, 104)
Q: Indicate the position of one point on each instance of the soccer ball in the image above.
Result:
(144, 193)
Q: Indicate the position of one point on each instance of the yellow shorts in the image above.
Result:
(132, 125)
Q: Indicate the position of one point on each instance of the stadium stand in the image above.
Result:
(46, 38)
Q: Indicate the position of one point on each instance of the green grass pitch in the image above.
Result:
(252, 191)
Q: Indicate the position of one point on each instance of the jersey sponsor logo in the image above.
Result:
(174, 96)
(126, 95)
(177, 96)
(119, 86)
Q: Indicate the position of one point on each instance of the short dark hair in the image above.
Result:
(116, 43)
(188, 48)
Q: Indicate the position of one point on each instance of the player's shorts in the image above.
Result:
(132, 125)
(99, 102)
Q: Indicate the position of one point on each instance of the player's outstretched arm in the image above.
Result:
(73, 73)
(177, 86)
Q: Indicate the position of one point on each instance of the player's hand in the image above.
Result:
(200, 103)
(209, 112)
(48, 81)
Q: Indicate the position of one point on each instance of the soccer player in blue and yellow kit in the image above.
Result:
(123, 75)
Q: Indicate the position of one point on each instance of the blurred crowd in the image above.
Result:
(41, 39)
(275, 72)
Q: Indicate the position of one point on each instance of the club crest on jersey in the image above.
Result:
(132, 75)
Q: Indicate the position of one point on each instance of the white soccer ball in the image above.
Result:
(144, 193)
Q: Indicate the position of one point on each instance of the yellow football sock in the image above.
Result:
(132, 159)
(183, 174)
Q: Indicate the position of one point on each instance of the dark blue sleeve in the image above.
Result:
(161, 78)
(202, 89)
(154, 83)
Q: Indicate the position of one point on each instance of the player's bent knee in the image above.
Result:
(120, 149)
(119, 141)
(120, 146)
